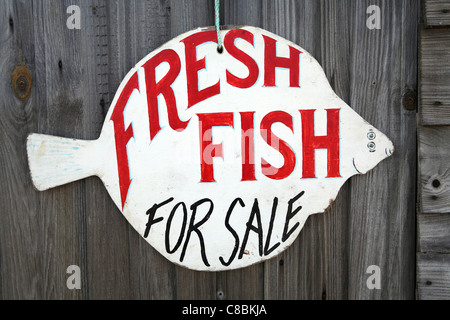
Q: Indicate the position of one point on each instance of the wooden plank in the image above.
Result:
(318, 256)
(19, 204)
(73, 111)
(50, 240)
(437, 12)
(103, 220)
(151, 275)
(433, 233)
(253, 13)
(434, 152)
(263, 14)
(63, 207)
(321, 256)
(434, 76)
(433, 276)
(184, 16)
(382, 203)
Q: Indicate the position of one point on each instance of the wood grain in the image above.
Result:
(434, 169)
(434, 77)
(433, 276)
(433, 233)
(381, 231)
(19, 203)
(437, 12)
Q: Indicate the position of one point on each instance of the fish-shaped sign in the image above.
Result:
(218, 158)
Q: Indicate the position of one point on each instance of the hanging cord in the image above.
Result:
(217, 16)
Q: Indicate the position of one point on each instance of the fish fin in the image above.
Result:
(55, 161)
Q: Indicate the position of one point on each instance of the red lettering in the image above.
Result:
(253, 70)
(248, 146)
(312, 142)
(280, 145)
(193, 66)
(208, 150)
(163, 87)
(271, 61)
(122, 136)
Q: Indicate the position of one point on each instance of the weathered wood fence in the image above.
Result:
(433, 258)
(73, 76)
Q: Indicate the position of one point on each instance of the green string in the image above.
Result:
(217, 16)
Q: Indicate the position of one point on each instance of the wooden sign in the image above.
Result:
(217, 159)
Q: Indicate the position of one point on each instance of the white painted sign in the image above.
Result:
(217, 160)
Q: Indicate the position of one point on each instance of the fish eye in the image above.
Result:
(372, 146)
(371, 135)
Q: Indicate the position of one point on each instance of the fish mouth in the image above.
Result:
(354, 166)
(389, 151)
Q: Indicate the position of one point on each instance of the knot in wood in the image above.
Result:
(410, 100)
(21, 82)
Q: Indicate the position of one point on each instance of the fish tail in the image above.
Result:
(56, 161)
